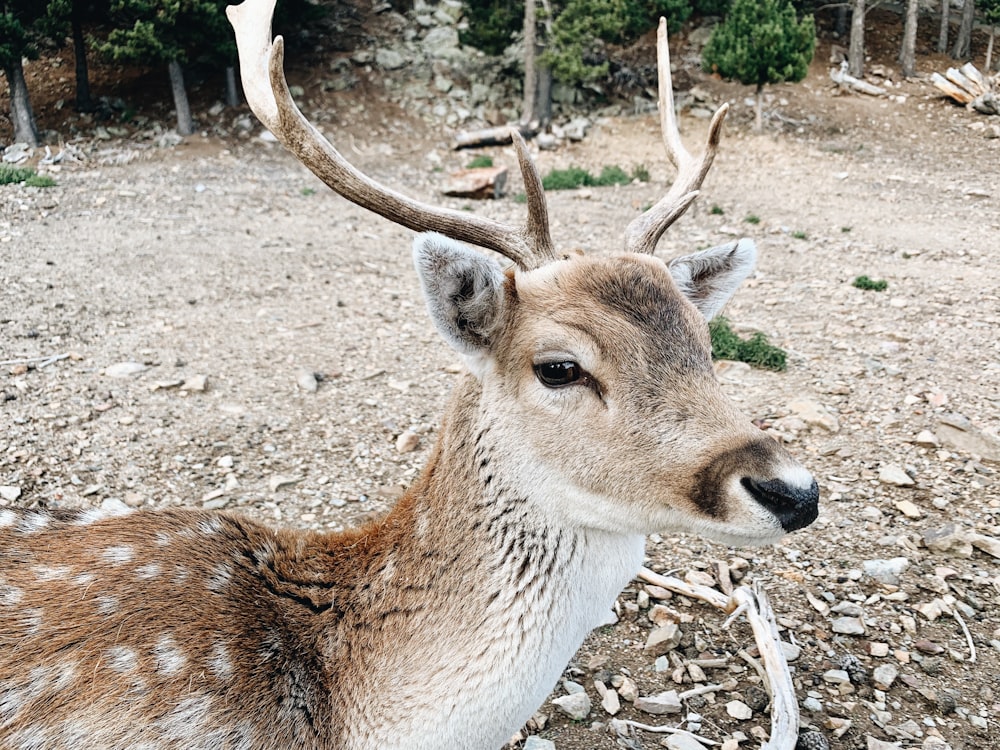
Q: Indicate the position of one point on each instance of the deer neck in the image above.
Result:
(500, 594)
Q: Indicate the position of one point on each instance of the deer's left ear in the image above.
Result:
(710, 277)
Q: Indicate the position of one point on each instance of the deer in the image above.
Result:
(589, 417)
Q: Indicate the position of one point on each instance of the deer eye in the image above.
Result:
(558, 374)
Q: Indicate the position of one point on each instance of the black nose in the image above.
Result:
(794, 507)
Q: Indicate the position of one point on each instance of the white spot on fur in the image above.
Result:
(180, 575)
(161, 539)
(219, 662)
(110, 508)
(118, 555)
(107, 605)
(120, 659)
(186, 722)
(32, 737)
(32, 523)
(11, 701)
(46, 573)
(31, 620)
(169, 658)
(7, 518)
(220, 578)
(148, 572)
(10, 595)
(84, 579)
(210, 525)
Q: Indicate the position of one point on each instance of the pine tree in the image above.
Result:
(761, 42)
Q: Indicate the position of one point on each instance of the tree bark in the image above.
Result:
(185, 123)
(543, 99)
(530, 52)
(963, 42)
(758, 112)
(942, 45)
(21, 114)
(84, 102)
(908, 52)
(840, 24)
(233, 98)
(856, 50)
(989, 50)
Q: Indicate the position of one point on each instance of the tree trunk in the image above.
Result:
(840, 24)
(185, 123)
(530, 52)
(942, 45)
(21, 114)
(856, 50)
(908, 53)
(989, 50)
(758, 112)
(963, 42)
(232, 90)
(543, 100)
(84, 102)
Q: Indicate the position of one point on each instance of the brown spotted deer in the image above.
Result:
(590, 418)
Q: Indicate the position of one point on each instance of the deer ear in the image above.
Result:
(463, 289)
(710, 277)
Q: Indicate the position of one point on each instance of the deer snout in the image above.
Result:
(795, 506)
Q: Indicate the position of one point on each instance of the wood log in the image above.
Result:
(971, 72)
(498, 136)
(960, 95)
(845, 80)
(964, 82)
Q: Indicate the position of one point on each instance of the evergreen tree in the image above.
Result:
(761, 42)
(24, 25)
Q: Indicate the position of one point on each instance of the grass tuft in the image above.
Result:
(11, 175)
(480, 161)
(870, 285)
(756, 351)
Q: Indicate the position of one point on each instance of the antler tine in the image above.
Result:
(538, 212)
(645, 231)
(262, 70)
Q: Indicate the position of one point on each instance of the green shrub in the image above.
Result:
(752, 219)
(756, 351)
(640, 173)
(11, 175)
(863, 282)
(480, 161)
(40, 181)
(717, 211)
(800, 235)
(612, 176)
(574, 177)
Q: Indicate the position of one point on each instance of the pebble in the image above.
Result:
(534, 742)
(664, 639)
(306, 381)
(682, 742)
(278, 481)
(666, 702)
(894, 474)
(812, 741)
(124, 369)
(884, 675)
(10, 492)
(908, 509)
(195, 383)
(886, 571)
(848, 626)
(576, 705)
(407, 442)
(739, 710)
(836, 677)
(814, 414)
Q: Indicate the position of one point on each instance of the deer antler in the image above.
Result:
(645, 231)
(262, 70)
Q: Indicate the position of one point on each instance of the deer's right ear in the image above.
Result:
(463, 289)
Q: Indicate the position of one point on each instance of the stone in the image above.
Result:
(682, 742)
(886, 571)
(949, 539)
(927, 439)
(895, 475)
(884, 675)
(306, 381)
(441, 42)
(908, 509)
(848, 626)
(278, 481)
(195, 383)
(836, 677)
(610, 702)
(225, 462)
(739, 710)
(480, 183)
(124, 369)
(663, 639)
(389, 59)
(875, 744)
(988, 544)
(10, 492)
(814, 414)
(576, 129)
(407, 442)
(576, 705)
(534, 742)
(969, 440)
(791, 651)
(628, 690)
(666, 702)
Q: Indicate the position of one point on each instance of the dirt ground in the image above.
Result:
(230, 261)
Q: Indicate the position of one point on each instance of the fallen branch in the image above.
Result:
(45, 361)
(616, 723)
(842, 78)
(968, 635)
(775, 673)
(498, 136)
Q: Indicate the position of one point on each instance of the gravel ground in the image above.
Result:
(282, 366)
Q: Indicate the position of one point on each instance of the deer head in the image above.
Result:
(593, 373)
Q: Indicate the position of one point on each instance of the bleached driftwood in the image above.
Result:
(966, 85)
(777, 677)
(845, 80)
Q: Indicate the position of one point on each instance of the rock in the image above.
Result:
(814, 414)
(949, 539)
(895, 475)
(546, 142)
(195, 383)
(791, 651)
(441, 42)
(125, 369)
(848, 626)
(682, 742)
(10, 492)
(306, 381)
(812, 741)
(389, 59)
(481, 183)
(927, 439)
(225, 462)
(610, 702)
(628, 690)
(836, 677)
(534, 742)
(666, 702)
(407, 442)
(663, 639)
(884, 675)
(874, 744)
(969, 440)
(739, 710)
(908, 509)
(576, 129)
(988, 544)
(278, 481)
(17, 152)
(576, 706)
(886, 571)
